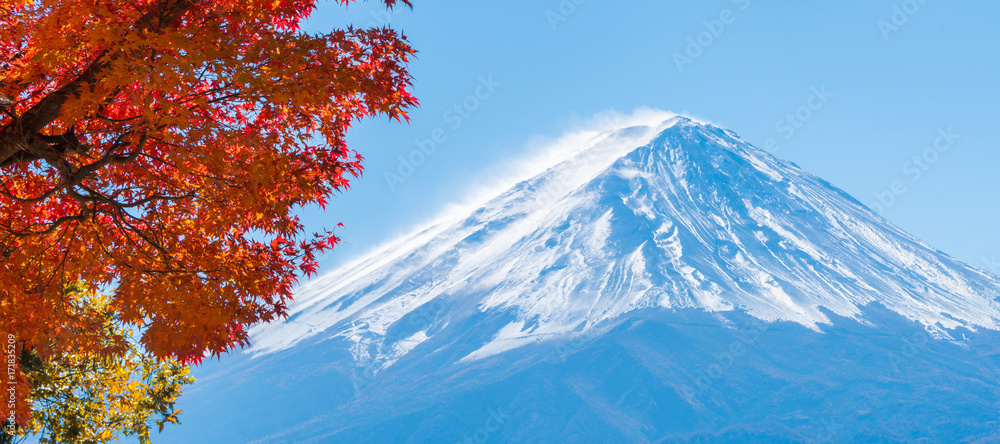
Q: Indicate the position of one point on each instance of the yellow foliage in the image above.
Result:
(98, 398)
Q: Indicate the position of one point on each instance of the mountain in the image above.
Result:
(662, 283)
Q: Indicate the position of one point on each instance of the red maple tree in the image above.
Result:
(155, 151)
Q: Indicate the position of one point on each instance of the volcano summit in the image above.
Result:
(662, 283)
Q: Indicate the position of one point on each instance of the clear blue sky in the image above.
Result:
(898, 71)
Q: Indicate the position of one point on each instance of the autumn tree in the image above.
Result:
(156, 151)
(95, 398)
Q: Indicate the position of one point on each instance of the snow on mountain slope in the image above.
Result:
(681, 214)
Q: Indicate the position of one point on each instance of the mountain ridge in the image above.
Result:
(537, 248)
(664, 283)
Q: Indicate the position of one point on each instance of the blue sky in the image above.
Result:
(850, 91)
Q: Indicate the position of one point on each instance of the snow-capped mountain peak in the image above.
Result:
(681, 214)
